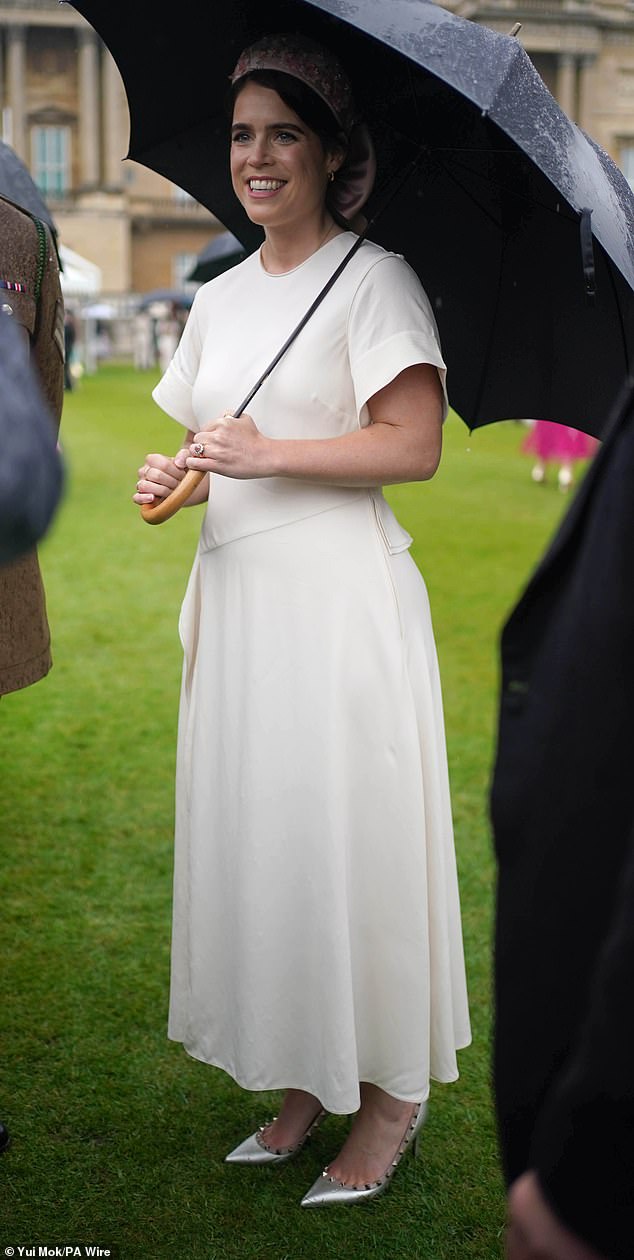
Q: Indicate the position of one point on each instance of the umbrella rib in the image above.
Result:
(413, 95)
(468, 193)
(517, 52)
(500, 187)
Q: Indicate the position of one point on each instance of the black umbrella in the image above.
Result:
(17, 185)
(173, 296)
(219, 254)
(518, 225)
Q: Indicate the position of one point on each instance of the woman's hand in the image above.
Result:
(160, 475)
(232, 447)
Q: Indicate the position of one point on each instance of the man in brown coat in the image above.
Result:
(30, 293)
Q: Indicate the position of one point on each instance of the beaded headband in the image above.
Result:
(308, 62)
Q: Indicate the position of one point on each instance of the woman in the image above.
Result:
(559, 444)
(316, 942)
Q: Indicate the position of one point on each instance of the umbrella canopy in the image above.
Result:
(534, 298)
(17, 185)
(172, 297)
(219, 254)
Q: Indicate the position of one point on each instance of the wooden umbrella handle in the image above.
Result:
(156, 513)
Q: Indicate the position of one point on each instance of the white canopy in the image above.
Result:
(80, 278)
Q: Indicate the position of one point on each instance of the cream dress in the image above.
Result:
(316, 937)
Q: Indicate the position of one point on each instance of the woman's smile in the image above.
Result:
(265, 187)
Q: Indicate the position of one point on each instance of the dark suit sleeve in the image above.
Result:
(583, 1144)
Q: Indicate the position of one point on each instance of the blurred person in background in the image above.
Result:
(557, 444)
(144, 350)
(70, 337)
(168, 332)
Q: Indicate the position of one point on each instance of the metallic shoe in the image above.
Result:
(255, 1151)
(327, 1190)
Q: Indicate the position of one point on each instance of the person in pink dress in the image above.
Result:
(557, 444)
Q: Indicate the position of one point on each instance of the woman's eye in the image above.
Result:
(240, 137)
(286, 137)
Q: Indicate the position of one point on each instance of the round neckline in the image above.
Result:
(280, 275)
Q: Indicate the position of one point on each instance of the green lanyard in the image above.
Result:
(41, 256)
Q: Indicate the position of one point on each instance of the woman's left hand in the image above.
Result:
(232, 447)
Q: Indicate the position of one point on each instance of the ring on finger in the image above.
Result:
(198, 449)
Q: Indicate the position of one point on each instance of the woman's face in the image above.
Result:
(279, 169)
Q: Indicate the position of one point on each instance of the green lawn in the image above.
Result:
(117, 1136)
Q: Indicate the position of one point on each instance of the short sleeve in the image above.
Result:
(174, 390)
(391, 327)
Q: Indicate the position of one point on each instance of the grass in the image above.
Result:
(117, 1135)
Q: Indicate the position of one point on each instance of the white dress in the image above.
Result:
(316, 937)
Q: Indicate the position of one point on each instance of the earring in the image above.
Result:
(331, 176)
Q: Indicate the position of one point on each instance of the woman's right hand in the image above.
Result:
(159, 475)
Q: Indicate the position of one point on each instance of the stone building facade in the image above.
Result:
(584, 51)
(64, 111)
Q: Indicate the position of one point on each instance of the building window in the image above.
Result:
(182, 264)
(50, 151)
(626, 161)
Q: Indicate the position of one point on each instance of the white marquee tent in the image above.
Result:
(80, 278)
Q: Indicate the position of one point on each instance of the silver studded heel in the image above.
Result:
(327, 1190)
(254, 1149)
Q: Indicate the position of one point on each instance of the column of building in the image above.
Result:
(575, 84)
(114, 123)
(587, 64)
(89, 129)
(567, 85)
(16, 88)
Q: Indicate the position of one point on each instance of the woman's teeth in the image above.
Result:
(266, 185)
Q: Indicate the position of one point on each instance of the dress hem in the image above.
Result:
(334, 1111)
